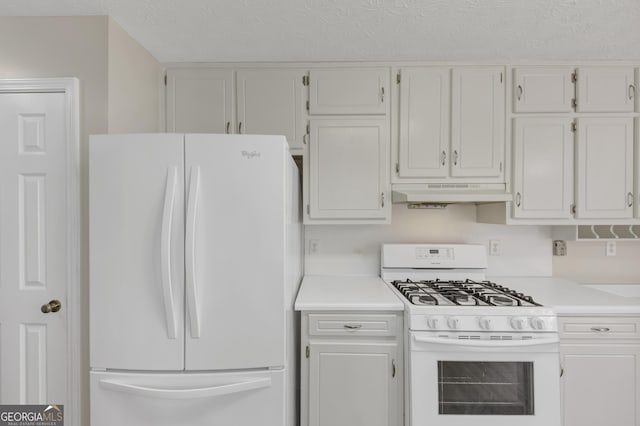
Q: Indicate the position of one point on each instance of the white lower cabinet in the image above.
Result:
(600, 360)
(351, 370)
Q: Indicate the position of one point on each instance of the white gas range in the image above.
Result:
(478, 353)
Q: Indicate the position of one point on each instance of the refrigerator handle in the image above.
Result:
(165, 251)
(193, 393)
(190, 237)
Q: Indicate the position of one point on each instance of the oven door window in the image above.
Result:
(492, 388)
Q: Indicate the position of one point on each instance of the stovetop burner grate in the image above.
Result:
(461, 293)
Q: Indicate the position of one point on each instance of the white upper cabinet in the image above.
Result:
(477, 122)
(604, 159)
(543, 168)
(199, 100)
(605, 89)
(348, 170)
(360, 91)
(543, 89)
(423, 146)
(270, 102)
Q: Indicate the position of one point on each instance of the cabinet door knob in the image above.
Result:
(353, 327)
(455, 158)
(240, 128)
(443, 157)
(520, 91)
(630, 199)
(632, 91)
(393, 368)
(382, 95)
(228, 126)
(600, 329)
(518, 199)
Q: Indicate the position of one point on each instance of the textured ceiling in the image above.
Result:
(320, 30)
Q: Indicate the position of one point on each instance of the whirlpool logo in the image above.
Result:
(250, 154)
(32, 415)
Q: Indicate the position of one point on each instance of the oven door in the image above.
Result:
(455, 382)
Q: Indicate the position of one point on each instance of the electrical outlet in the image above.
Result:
(495, 248)
(611, 248)
(313, 246)
(559, 248)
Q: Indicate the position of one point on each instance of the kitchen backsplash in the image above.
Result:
(355, 250)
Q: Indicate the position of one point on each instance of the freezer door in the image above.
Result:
(188, 399)
(235, 251)
(137, 252)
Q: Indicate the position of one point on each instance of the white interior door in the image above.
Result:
(136, 252)
(235, 251)
(33, 248)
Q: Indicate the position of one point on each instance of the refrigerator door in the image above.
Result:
(188, 399)
(235, 251)
(137, 252)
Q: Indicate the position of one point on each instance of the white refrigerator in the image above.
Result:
(195, 261)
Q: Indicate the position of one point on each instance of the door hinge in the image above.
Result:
(307, 105)
(574, 126)
(307, 135)
(382, 200)
(397, 167)
(574, 76)
(572, 209)
(165, 79)
(305, 80)
(574, 103)
(398, 78)
(307, 351)
(501, 77)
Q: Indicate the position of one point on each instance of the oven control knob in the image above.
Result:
(432, 322)
(537, 323)
(517, 323)
(453, 322)
(484, 323)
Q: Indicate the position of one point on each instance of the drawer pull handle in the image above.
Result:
(600, 329)
(352, 327)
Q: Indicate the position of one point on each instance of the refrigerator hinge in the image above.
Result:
(398, 78)
(307, 351)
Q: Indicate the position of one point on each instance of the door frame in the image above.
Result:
(70, 87)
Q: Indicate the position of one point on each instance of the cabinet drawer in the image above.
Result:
(599, 328)
(352, 325)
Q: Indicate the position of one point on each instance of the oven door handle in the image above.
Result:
(487, 343)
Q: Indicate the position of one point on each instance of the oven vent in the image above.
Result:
(500, 338)
(463, 337)
(527, 337)
(474, 337)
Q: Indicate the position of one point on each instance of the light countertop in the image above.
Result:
(570, 298)
(346, 293)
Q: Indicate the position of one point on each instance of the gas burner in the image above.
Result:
(461, 293)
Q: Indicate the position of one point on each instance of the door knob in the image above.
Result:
(52, 306)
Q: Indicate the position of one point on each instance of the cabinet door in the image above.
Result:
(542, 90)
(600, 384)
(424, 122)
(348, 170)
(604, 158)
(353, 384)
(199, 100)
(349, 91)
(605, 89)
(270, 103)
(477, 122)
(543, 168)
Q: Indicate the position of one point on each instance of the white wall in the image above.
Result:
(586, 262)
(119, 91)
(134, 82)
(355, 249)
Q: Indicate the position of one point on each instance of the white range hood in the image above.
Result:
(450, 193)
